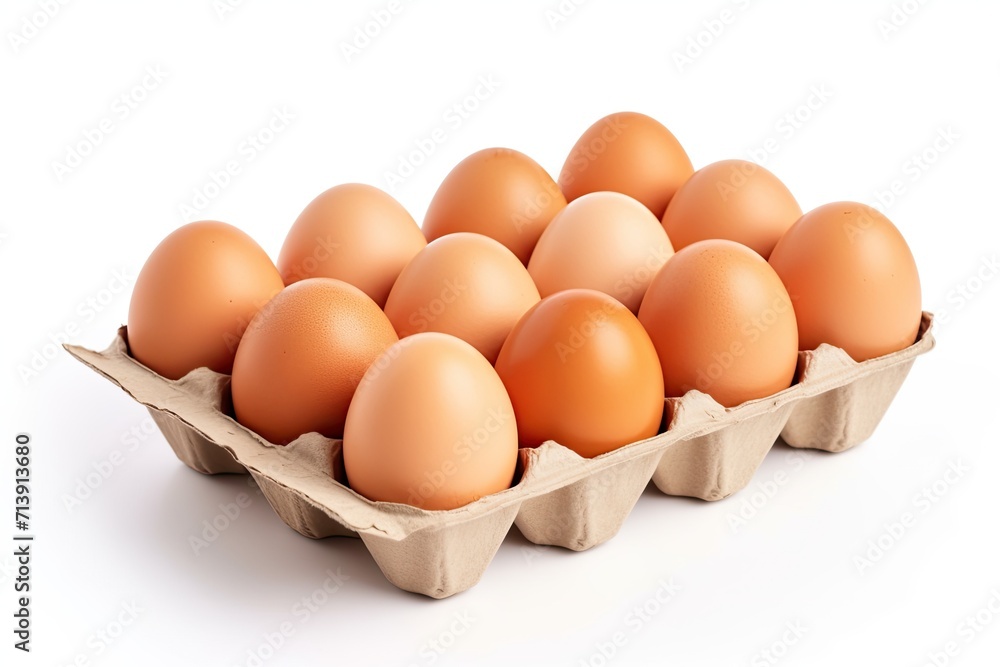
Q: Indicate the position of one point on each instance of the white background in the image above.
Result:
(886, 96)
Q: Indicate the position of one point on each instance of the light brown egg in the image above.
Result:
(497, 192)
(630, 153)
(580, 370)
(722, 323)
(735, 200)
(605, 241)
(431, 426)
(355, 233)
(852, 279)
(463, 284)
(194, 297)
(302, 357)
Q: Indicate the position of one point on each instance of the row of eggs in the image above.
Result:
(513, 317)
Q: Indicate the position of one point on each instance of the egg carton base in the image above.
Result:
(559, 498)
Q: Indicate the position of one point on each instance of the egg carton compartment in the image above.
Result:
(558, 498)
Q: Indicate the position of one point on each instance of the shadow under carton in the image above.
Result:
(707, 452)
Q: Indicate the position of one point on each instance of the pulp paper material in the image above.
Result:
(559, 498)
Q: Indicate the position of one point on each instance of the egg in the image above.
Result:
(852, 279)
(722, 323)
(463, 284)
(630, 153)
(605, 241)
(431, 426)
(355, 233)
(580, 370)
(194, 297)
(735, 200)
(497, 192)
(302, 358)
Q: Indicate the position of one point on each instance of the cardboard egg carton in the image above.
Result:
(558, 498)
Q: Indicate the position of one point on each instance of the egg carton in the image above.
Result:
(558, 498)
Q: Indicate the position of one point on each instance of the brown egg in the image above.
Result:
(497, 192)
(355, 233)
(605, 241)
(302, 357)
(630, 153)
(580, 370)
(194, 297)
(722, 323)
(431, 426)
(852, 279)
(735, 200)
(464, 284)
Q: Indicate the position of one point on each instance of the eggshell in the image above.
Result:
(580, 370)
(497, 192)
(630, 153)
(355, 233)
(302, 357)
(852, 279)
(463, 284)
(605, 241)
(733, 199)
(722, 323)
(431, 426)
(194, 297)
